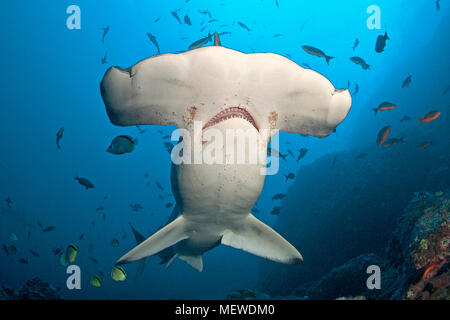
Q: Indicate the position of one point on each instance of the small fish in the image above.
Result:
(406, 82)
(152, 38)
(276, 2)
(384, 106)
(243, 26)
(277, 35)
(278, 196)
(23, 261)
(275, 153)
(392, 142)
(105, 32)
(317, 53)
(360, 61)
(201, 42)
(93, 260)
(405, 118)
(306, 65)
(71, 253)
(34, 253)
(446, 91)
(224, 33)
(85, 183)
(49, 229)
(5, 248)
(118, 274)
(100, 208)
(159, 186)
(430, 116)
(62, 260)
(356, 89)
(212, 20)
(40, 225)
(205, 12)
(169, 147)
(276, 211)
(381, 42)
(157, 19)
(13, 237)
(382, 135)
(175, 15)
(290, 153)
(122, 144)
(187, 20)
(356, 44)
(289, 176)
(95, 281)
(140, 130)
(115, 243)
(12, 249)
(59, 136)
(104, 61)
(302, 154)
(169, 205)
(424, 145)
(438, 5)
(57, 251)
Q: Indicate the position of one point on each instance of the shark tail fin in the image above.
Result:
(171, 234)
(259, 239)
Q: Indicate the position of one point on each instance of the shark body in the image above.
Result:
(222, 89)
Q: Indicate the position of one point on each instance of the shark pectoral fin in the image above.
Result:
(195, 262)
(259, 239)
(169, 235)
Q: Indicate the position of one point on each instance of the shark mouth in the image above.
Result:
(229, 113)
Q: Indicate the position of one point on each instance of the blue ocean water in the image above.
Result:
(51, 79)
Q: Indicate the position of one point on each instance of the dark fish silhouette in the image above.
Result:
(361, 62)
(381, 42)
(201, 42)
(59, 136)
(153, 40)
(356, 44)
(244, 26)
(8, 202)
(318, 53)
(175, 15)
(49, 229)
(187, 20)
(104, 61)
(406, 82)
(302, 154)
(105, 32)
(85, 183)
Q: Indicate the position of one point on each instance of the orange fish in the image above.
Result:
(431, 271)
(430, 116)
(384, 107)
(382, 135)
(424, 145)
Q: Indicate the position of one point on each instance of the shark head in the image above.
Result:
(214, 83)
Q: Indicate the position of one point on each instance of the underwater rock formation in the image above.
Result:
(415, 265)
(34, 289)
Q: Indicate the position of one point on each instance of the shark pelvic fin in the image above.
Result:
(171, 234)
(259, 239)
(195, 262)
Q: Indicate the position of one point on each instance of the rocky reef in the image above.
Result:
(34, 289)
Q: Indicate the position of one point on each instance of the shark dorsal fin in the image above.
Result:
(217, 39)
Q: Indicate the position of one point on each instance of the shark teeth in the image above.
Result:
(229, 113)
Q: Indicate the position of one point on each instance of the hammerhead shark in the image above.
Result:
(221, 89)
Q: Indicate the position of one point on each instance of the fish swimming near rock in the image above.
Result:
(201, 42)
(85, 183)
(302, 153)
(407, 82)
(122, 144)
(356, 44)
(59, 136)
(105, 32)
(289, 176)
(383, 135)
(360, 61)
(381, 42)
(430, 116)
(195, 85)
(384, 106)
(152, 38)
(317, 53)
(276, 211)
(278, 196)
